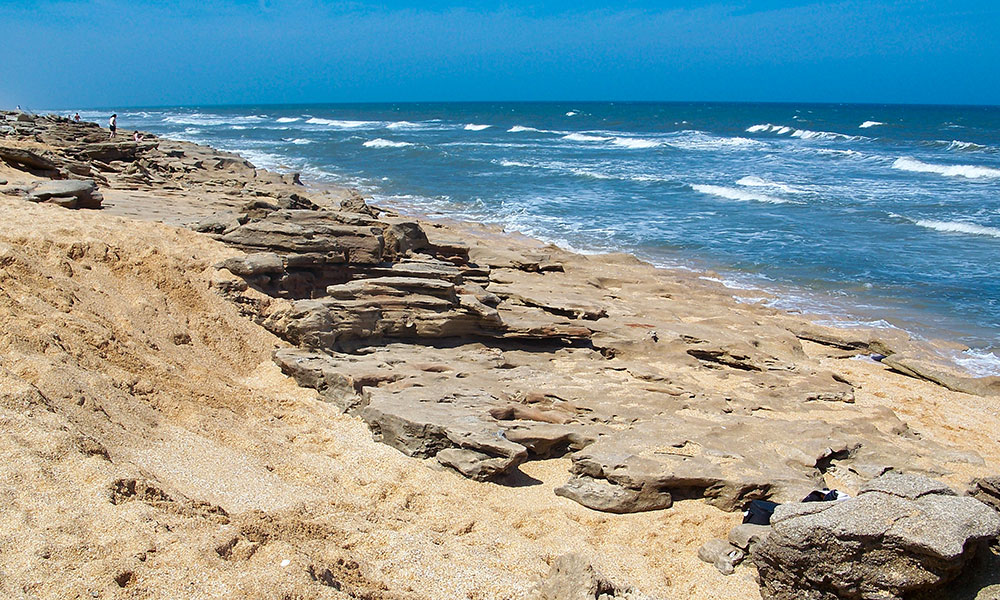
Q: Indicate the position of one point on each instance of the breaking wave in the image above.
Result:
(735, 194)
(340, 124)
(520, 128)
(383, 143)
(582, 137)
(476, 127)
(289, 119)
(635, 143)
(967, 171)
(958, 227)
(754, 181)
(868, 124)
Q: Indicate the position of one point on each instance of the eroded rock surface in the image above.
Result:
(903, 534)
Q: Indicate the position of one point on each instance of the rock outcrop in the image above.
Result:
(903, 534)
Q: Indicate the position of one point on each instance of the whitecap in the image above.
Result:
(635, 143)
(382, 143)
(301, 141)
(476, 127)
(340, 124)
(699, 140)
(514, 163)
(735, 194)
(769, 128)
(288, 119)
(978, 363)
(520, 128)
(956, 145)
(806, 134)
(958, 227)
(968, 171)
(582, 137)
(238, 127)
(404, 125)
(868, 124)
(754, 181)
(572, 113)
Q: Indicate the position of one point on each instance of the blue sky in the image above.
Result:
(108, 53)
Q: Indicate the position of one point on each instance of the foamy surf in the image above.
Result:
(754, 181)
(967, 171)
(582, 137)
(868, 124)
(288, 119)
(635, 143)
(958, 227)
(342, 124)
(476, 127)
(383, 143)
(520, 128)
(735, 194)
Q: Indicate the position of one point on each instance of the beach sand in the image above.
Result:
(154, 449)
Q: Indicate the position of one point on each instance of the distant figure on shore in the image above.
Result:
(137, 137)
(18, 108)
(113, 125)
(76, 117)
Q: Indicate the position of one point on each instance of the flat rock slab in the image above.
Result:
(71, 193)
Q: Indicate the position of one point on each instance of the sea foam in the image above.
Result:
(868, 124)
(383, 143)
(968, 171)
(476, 127)
(958, 227)
(341, 124)
(754, 181)
(582, 137)
(288, 119)
(735, 194)
(635, 143)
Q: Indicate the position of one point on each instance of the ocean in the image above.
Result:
(873, 215)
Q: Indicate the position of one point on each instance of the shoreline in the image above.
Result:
(209, 399)
(817, 306)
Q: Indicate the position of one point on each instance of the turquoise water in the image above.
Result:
(882, 215)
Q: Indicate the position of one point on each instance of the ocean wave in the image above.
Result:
(957, 227)
(572, 113)
(807, 134)
(341, 124)
(735, 194)
(868, 124)
(238, 127)
(978, 363)
(754, 181)
(197, 119)
(514, 163)
(768, 128)
(956, 145)
(520, 128)
(288, 119)
(405, 125)
(967, 171)
(476, 127)
(300, 141)
(635, 143)
(383, 143)
(582, 137)
(699, 140)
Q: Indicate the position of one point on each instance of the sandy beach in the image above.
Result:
(191, 375)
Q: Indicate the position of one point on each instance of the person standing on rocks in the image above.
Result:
(113, 125)
(76, 117)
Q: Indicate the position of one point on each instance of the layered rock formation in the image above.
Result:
(480, 355)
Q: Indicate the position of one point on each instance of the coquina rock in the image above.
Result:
(902, 535)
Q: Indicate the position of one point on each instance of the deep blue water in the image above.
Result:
(886, 215)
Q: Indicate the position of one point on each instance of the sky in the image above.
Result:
(119, 53)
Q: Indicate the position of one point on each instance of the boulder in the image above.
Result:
(902, 535)
(71, 193)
